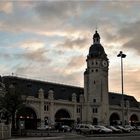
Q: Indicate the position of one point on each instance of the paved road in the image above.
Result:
(81, 138)
(74, 136)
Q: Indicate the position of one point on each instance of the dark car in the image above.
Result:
(65, 128)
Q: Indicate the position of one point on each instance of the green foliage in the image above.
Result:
(11, 102)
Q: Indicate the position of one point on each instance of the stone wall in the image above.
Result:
(5, 131)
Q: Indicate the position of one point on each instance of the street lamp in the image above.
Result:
(121, 55)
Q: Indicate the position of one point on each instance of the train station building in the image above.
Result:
(49, 102)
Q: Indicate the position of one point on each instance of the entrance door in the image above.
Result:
(95, 121)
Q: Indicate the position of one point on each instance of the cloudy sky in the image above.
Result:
(49, 40)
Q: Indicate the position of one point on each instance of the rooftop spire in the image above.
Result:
(96, 38)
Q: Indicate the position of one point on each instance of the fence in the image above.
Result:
(5, 131)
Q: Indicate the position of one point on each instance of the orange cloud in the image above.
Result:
(6, 7)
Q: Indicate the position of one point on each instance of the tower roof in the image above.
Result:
(96, 49)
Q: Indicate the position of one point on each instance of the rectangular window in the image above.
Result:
(95, 110)
(46, 107)
(94, 100)
(78, 110)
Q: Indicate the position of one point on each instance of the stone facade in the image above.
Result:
(96, 83)
(52, 102)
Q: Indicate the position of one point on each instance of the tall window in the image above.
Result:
(95, 110)
(78, 110)
(94, 100)
(46, 108)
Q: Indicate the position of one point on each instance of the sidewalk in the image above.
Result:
(53, 136)
(133, 133)
(37, 138)
(60, 136)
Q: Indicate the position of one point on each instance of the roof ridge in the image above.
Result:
(37, 80)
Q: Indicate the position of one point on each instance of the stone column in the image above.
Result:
(88, 113)
(41, 97)
(74, 100)
(82, 106)
(51, 107)
(127, 109)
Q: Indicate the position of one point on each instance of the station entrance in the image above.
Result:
(62, 117)
(28, 118)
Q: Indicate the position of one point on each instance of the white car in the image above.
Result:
(87, 129)
(103, 129)
(138, 128)
(114, 129)
(45, 127)
(127, 130)
(129, 126)
(41, 128)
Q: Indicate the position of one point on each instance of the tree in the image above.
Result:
(11, 101)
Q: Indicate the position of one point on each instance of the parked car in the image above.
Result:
(87, 129)
(65, 128)
(45, 127)
(41, 128)
(95, 129)
(103, 129)
(138, 128)
(48, 127)
(126, 130)
(114, 129)
(130, 127)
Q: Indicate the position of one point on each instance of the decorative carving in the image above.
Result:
(41, 93)
(81, 98)
(74, 97)
(51, 95)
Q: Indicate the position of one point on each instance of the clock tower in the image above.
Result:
(96, 108)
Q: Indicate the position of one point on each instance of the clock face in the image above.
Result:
(104, 63)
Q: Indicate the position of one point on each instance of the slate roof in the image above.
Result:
(31, 87)
(115, 98)
(96, 50)
(61, 91)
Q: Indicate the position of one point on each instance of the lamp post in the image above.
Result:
(121, 55)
